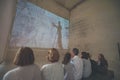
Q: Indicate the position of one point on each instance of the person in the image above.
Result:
(59, 34)
(68, 67)
(26, 69)
(93, 64)
(86, 65)
(54, 70)
(102, 64)
(78, 64)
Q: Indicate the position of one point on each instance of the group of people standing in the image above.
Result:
(72, 67)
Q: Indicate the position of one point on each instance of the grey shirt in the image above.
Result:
(69, 72)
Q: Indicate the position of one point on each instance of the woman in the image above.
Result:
(26, 69)
(54, 70)
(87, 70)
(102, 64)
(93, 64)
(68, 67)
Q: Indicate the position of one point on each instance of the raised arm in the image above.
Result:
(54, 25)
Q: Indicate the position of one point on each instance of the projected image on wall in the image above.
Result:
(39, 28)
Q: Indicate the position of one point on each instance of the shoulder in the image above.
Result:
(36, 67)
(12, 71)
(45, 66)
(10, 74)
(86, 61)
(70, 64)
(75, 58)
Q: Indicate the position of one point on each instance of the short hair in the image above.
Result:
(53, 55)
(75, 51)
(89, 55)
(84, 55)
(24, 57)
(67, 58)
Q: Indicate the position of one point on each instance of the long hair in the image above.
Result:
(103, 60)
(102, 57)
(67, 58)
(24, 57)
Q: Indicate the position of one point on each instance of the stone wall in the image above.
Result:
(95, 27)
(7, 8)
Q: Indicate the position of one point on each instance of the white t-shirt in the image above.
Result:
(31, 72)
(53, 71)
(78, 65)
(87, 68)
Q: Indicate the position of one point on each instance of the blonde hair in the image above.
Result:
(53, 55)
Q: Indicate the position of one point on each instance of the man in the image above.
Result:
(59, 33)
(78, 64)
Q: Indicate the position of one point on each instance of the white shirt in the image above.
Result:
(78, 65)
(31, 72)
(87, 68)
(53, 71)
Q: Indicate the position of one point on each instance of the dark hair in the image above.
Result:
(84, 55)
(102, 57)
(103, 60)
(75, 51)
(88, 54)
(24, 57)
(67, 58)
(53, 55)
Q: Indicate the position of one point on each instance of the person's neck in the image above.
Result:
(75, 56)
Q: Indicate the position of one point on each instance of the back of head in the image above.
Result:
(75, 51)
(67, 58)
(24, 57)
(101, 56)
(84, 55)
(89, 55)
(103, 60)
(53, 55)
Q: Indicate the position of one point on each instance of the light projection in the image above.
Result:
(39, 28)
